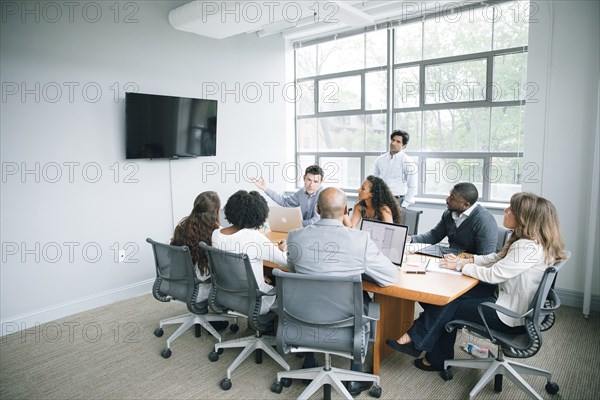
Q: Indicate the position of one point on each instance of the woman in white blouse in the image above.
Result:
(247, 212)
(517, 269)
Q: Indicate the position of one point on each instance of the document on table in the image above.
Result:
(419, 264)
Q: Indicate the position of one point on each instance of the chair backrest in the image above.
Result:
(321, 313)
(234, 286)
(544, 304)
(503, 235)
(410, 218)
(176, 276)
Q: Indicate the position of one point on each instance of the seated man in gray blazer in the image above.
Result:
(329, 248)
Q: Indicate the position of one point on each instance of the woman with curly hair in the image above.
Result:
(197, 227)
(247, 212)
(375, 201)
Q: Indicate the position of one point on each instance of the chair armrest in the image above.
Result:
(501, 309)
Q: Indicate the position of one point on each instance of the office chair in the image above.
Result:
(324, 314)
(176, 280)
(410, 218)
(538, 318)
(235, 291)
(503, 235)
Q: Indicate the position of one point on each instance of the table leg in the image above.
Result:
(395, 318)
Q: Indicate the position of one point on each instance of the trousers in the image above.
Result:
(429, 330)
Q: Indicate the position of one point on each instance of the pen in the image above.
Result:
(415, 272)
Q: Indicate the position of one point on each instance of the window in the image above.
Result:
(455, 81)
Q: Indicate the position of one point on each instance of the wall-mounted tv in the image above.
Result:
(169, 127)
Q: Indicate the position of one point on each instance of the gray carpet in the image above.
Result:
(112, 353)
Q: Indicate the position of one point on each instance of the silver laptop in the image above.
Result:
(389, 238)
(284, 219)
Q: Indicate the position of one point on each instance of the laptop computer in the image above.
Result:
(435, 250)
(389, 238)
(284, 219)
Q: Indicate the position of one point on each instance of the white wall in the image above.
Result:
(561, 128)
(47, 213)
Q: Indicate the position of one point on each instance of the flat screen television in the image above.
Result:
(169, 127)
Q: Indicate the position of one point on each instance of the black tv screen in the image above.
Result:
(169, 127)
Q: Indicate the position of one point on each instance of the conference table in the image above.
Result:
(397, 302)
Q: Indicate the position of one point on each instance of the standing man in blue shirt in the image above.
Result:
(305, 198)
(398, 170)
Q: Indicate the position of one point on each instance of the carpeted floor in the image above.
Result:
(112, 353)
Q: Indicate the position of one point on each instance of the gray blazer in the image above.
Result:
(328, 247)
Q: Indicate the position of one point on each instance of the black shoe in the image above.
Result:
(219, 325)
(408, 348)
(429, 368)
(356, 388)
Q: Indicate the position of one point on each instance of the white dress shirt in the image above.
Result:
(400, 173)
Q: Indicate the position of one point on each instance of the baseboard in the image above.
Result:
(30, 320)
(573, 298)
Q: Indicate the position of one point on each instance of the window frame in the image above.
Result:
(391, 111)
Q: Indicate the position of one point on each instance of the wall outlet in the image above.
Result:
(121, 256)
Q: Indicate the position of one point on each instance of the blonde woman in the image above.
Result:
(517, 269)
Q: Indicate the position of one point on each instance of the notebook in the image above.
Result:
(419, 264)
(284, 219)
(435, 250)
(389, 238)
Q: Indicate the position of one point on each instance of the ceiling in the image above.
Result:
(296, 20)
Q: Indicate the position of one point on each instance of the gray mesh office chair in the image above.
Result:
(176, 280)
(539, 317)
(235, 291)
(503, 235)
(410, 218)
(324, 314)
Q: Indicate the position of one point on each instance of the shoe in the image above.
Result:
(356, 388)
(408, 348)
(219, 325)
(429, 368)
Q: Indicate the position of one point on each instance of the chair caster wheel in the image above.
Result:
(226, 384)
(446, 375)
(276, 387)
(213, 356)
(166, 352)
(159, 332)
(286, 382)
(220, 351)
(376, 391)
(552, 387)
(234, 328)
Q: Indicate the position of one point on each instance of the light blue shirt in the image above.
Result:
(306, 202)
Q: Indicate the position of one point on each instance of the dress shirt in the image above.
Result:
(459, 218)
(400, 173)
(518, 276)
(306, 202)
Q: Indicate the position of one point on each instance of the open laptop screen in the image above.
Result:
(284, 219)
(389, 238)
